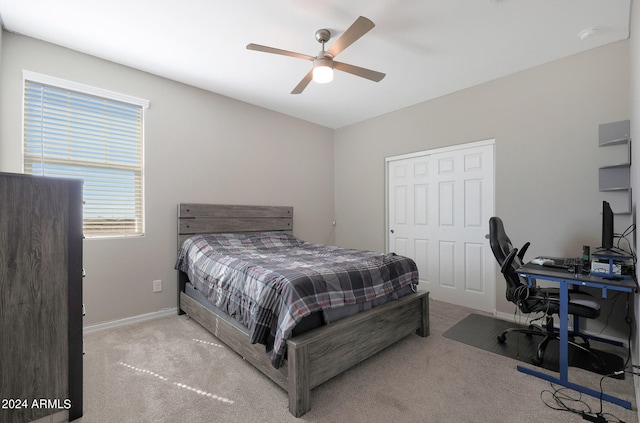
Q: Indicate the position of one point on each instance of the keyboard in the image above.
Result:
(565, 262)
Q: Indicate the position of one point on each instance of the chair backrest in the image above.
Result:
(517, 289)
(500, 243)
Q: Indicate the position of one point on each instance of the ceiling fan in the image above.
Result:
(323, 63)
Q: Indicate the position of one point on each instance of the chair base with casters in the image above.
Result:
(550, 334)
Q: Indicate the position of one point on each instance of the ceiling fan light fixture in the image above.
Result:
(322, 70)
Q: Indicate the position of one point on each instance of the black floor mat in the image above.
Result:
(482, 332)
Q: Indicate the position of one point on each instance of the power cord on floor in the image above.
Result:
(594, 417)
(565, 402)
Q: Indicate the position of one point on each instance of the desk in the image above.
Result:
(565, 278)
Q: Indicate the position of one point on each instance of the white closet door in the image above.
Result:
(438, 210)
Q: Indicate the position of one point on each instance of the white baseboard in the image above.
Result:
(129, 320)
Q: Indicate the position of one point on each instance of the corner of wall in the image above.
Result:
(634, 108)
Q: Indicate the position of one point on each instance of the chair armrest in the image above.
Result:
(523, 250)
(506, 264)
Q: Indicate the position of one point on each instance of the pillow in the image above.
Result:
(274, 240)
(238, 240)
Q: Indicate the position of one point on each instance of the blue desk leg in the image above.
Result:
(564, 356)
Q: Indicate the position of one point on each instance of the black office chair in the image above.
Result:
(535, 299)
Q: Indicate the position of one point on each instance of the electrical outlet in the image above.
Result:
(157, 285)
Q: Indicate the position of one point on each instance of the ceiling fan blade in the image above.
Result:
(358, 71)
(303, 84)
(265, 49)
(360, 27)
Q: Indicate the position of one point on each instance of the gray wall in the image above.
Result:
(545, 125)
(199, 147)
(634, 53)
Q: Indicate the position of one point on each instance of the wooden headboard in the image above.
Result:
(196, 219)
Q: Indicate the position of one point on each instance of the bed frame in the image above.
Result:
(315, 356)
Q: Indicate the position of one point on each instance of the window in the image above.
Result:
(76, 131)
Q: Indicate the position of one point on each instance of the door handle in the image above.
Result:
(392, 231)
(486, 236)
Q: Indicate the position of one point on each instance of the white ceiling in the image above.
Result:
(427, 48)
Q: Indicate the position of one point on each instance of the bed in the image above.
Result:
(297, 355)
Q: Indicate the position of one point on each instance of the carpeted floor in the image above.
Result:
(173, 370)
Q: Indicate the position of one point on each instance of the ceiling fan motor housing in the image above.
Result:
(323, 35)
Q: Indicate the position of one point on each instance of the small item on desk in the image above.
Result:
(586, 256)
(577, 267)
(606, 268)
(542, 261)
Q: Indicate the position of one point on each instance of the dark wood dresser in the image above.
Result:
(40, 297)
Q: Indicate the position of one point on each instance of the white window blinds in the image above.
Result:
(69, 131)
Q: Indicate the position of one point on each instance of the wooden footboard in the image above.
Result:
(317, 356)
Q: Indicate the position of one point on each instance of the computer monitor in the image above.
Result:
(607, 226)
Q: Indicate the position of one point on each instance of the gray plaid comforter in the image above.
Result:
(268, 282)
